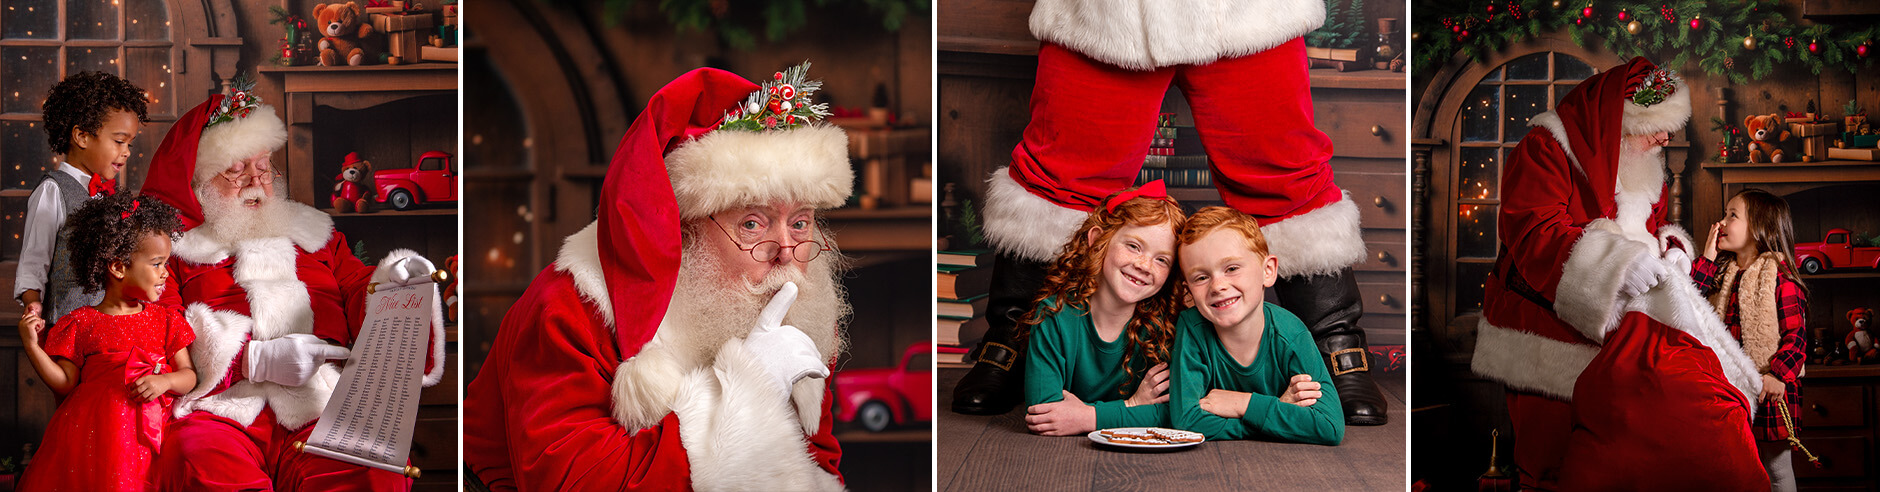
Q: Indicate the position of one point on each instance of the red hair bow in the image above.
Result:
(1154, 189)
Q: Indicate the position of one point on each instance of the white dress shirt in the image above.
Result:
(45, 214)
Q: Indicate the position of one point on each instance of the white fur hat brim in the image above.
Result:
(733, 168)
(1669, 115)
(225, 143)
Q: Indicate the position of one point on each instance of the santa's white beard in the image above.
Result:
(705, 312)
(1639, 185)
(229, 221)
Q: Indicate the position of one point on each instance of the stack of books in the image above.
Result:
(1175, 156)
(962, 282)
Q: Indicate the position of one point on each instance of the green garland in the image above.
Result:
(1717, 46)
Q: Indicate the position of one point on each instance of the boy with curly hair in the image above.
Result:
(91, 118)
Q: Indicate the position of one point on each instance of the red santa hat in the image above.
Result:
(206, 141)
(1636, 98)
(706, 142)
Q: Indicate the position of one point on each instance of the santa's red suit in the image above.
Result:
(1103, 71)
(231, 432)
(587, 385)
(1609, 391)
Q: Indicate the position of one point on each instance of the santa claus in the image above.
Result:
(679, 340)
(1103, 70)
(275, 296)
(1619, 374)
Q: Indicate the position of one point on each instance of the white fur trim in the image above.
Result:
(1145, 34)
(383, 275)
(580, 258)
(220, 336)
(1021, 224)
(225, 143)
(1587, 297)
(727, 168)
(645, 385)
(307, 227)
(1320, 242)
(1676, 303)
(1669, 115)
(1529, 362)
(277, 299)
(1551, 121)
(1669, 232)
(738, 435)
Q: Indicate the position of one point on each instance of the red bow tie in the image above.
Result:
(101, 186)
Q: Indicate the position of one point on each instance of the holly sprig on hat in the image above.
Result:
(1657, 86)
(240, 101)
(781, 103)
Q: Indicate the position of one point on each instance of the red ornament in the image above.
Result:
(1491, 8)
(1455, 28)
(1696, 24)
(1622, 16)
(1813, 48)
(777, 76)
(1465, 33)
(1586, 12)
(1579, 22)
(1861, 50)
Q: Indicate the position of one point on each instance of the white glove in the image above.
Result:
(402, 270)
(786, 354)
(1644, 273)
(290, 360)
(1678, 259)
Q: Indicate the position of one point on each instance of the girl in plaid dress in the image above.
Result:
(1748, 272)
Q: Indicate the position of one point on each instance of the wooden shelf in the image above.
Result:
(368, 78)
(1827, 172)
(1326, 78)
(916, 434)
(1842, 275)
(883, 229)
(397, 213)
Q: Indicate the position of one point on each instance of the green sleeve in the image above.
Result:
(1115, 413)
(1047, 368)
(1321, 423)
(1188, 383)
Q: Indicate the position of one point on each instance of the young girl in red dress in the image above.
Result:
(1748, 271)
(116, 364)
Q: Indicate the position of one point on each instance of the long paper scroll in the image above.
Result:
(368, 421)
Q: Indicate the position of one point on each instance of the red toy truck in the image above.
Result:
(1835, 252)
(433, 180)
(878, 397)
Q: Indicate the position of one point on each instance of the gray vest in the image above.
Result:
(62, 294)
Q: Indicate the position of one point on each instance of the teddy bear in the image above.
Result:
(1860, 342)
(352, 189)
(346, 37)
(1768, 137)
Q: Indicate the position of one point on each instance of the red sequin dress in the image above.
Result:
(101, 438)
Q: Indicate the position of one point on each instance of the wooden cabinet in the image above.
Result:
(1837, 424)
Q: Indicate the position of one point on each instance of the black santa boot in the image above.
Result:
(1330, 308)
(997, 380)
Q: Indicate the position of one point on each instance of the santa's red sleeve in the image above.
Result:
(1574, 267)
(557, 420)
(1537, 229)
(823, 446)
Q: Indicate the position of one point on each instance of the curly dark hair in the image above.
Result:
(107, 229)
(83, 100)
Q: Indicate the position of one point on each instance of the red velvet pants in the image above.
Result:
(207, 452)
(1092, 123)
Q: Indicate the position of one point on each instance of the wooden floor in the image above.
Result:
(995, 453)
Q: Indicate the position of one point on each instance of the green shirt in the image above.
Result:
(1200, 363)
(1067, 354)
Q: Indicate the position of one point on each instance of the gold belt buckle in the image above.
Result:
(1363, 358)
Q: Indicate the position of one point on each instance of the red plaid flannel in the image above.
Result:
(1786, 364)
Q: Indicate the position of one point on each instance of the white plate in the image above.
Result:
(1098, 437)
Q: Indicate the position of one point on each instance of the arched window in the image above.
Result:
(1494, 118)
(42, 41)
